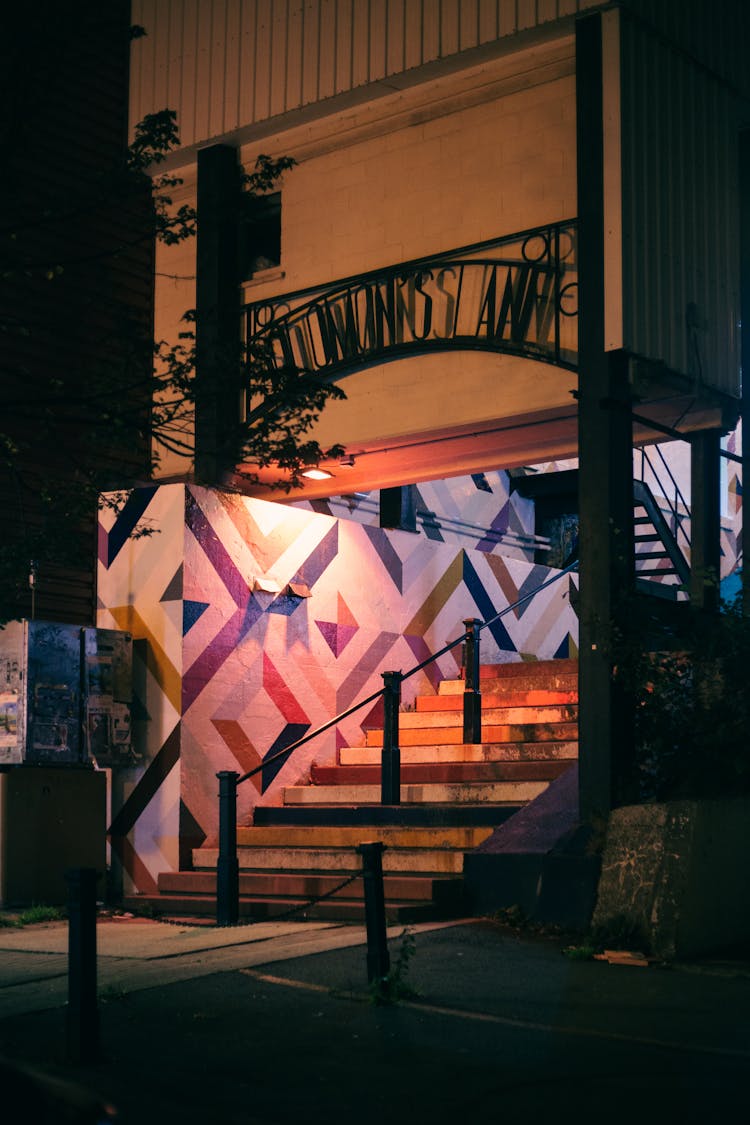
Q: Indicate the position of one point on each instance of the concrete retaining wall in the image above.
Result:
(679, 871)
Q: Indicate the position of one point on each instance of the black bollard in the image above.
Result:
(378, 959)
(228, 865)
(83, 1009)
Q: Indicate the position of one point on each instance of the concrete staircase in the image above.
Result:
(453, 796)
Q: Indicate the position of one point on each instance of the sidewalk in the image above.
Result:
(134, 954)
(272, 1023)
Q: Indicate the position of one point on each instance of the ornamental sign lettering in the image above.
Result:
(517, 295)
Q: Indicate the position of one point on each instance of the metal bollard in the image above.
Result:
(472, 694)
(83, 1010)
(228, 866)
(390, 768)
(378, 959)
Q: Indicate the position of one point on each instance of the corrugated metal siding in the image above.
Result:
(680, 212)
(716, 34)
(223, 64)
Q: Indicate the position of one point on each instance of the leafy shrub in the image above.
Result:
(691, 708)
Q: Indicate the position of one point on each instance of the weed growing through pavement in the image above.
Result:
(111, 993)
(394, 986)
(616, 932)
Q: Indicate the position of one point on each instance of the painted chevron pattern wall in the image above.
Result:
(237, 661)
(479, 511)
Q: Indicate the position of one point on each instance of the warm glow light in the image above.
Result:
(316, 474)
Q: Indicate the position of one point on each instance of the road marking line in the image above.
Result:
(508, 1021)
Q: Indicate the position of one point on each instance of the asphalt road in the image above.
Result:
(497, 1028)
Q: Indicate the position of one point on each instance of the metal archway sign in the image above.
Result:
(516, 295)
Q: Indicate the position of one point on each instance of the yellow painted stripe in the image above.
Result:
(158, 663)
(437, 598)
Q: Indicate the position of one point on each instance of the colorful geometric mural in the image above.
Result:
(140, 564)
(262, 621)
(479, 512)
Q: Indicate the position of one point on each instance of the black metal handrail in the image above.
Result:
(227, 869)
(673, 508)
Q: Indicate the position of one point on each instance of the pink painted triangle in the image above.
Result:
(345, 615)
(344, 634)
(329, 631)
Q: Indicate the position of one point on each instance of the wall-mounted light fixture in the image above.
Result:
(314, 473)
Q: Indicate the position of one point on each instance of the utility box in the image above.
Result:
(51, 819)
(65, 695)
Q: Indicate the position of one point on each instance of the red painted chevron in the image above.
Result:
(280, 694)
(133, 865)
(241, 747)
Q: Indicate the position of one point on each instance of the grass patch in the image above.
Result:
(35, 914)
(579, 952)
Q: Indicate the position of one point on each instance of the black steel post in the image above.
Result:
(605, 452)
(227, 867)
(390, 766)
(472, 694)
(83, 1010)
(217, 295)
(744, 188)
(378, 959)
(705, 519)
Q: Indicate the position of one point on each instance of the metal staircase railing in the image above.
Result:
(227, 867)
(661, 531)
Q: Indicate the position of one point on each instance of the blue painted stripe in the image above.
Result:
(126, 522)
(289, 735)
(485, 607)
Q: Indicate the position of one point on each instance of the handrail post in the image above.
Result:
(390, 765)
(472, 694)
(227, 866)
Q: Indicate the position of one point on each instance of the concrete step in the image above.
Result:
(259, 909)
(491, 732)
(496, 793)
(465, 752)
(557, 681)
(368, 817)
(510, 698)
(521, 675)
(491, 716)
(303, 885)
(440, 860)
(441, 772)
(349, 836)
(515, 669)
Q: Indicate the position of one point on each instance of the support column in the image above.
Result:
(605, 464)
(217, 371)
(705, 519)
(744, 187)
(398, 508)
